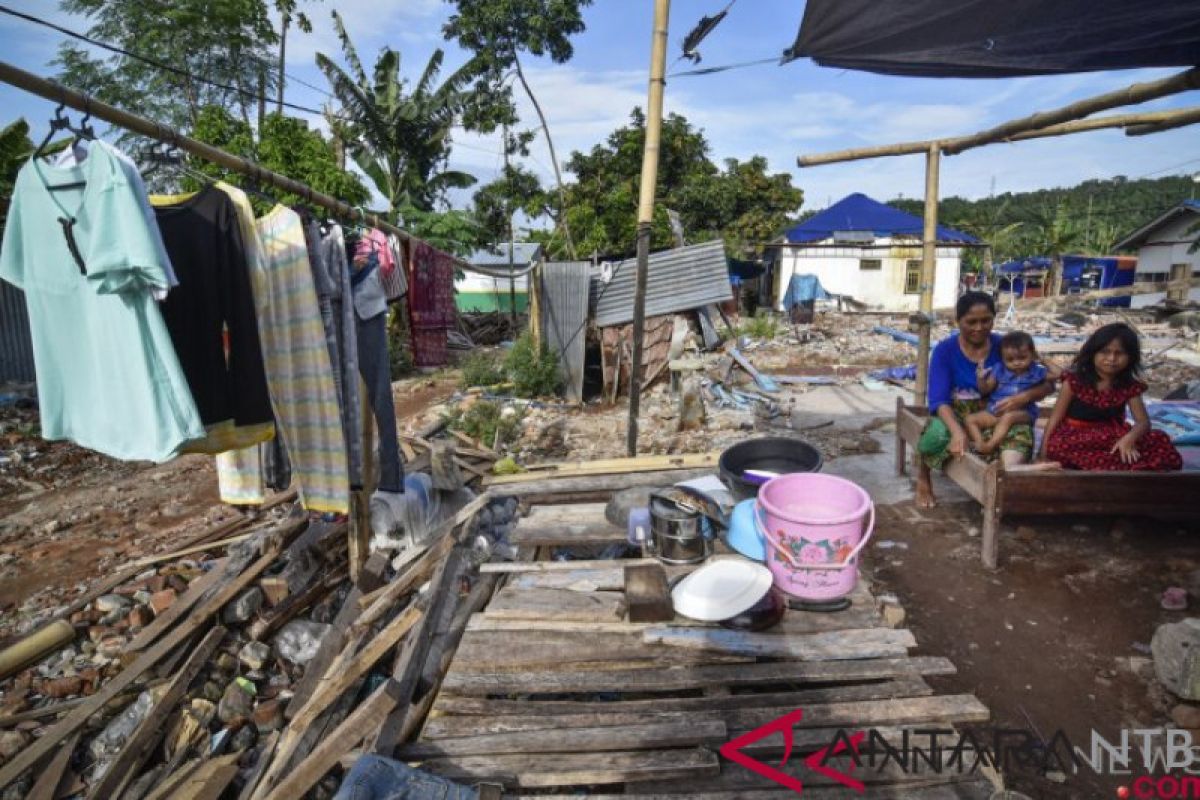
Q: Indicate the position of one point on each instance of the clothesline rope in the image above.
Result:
(56, 92)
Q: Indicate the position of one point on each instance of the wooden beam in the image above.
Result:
(830, 646)
(140, 744)
(28, 757)
(608, 466)
(1145, 287)
(366, 718)
(199, 586)
(46, 786)
(599, 487)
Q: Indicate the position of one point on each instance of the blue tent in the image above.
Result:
(1031, 264)
(857, 212)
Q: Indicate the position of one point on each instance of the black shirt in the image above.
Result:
(205, 245)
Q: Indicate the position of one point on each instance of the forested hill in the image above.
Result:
(1088, 218)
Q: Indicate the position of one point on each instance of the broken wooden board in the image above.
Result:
(829, 646)
(556, 604)
(183, 604)
(647, 596)
(565, 525)
(681, 732)
(579, 769)
(596, 487)
(486, 651)
(609, 466)
(496, 708)
(689, 677)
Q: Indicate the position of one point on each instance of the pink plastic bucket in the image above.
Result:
(814, 527)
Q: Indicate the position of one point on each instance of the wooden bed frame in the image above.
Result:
(1056, 492)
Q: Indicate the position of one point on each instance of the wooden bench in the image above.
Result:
(1003, 492)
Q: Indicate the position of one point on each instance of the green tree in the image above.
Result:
(517, 189)
(1056, 233)
(15, 148)
(742, 203)
(399, 138)
(497, 32)
(285, 145)
(225, 41)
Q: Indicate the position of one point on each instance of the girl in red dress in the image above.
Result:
(1088, 429)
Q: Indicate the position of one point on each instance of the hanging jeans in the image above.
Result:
(376, 372)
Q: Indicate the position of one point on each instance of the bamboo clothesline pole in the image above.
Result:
(358, 535)
(1188, 116)
(80, 101)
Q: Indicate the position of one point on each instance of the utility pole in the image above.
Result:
(658, 68)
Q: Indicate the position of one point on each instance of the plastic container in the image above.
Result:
(814, 527)
(772, 454)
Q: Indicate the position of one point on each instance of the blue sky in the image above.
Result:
(776, 111)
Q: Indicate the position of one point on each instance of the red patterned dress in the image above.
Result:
(1094, 422)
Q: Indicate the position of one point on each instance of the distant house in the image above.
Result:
(477, 291)
(1162, 245)
(871, 252)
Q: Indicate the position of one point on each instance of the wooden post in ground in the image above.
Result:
(360, 501)
(658, 68)
(928, 270)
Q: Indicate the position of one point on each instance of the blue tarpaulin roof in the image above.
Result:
(1025, 264)
(857, 212)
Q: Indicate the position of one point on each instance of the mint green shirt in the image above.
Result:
(107, 374)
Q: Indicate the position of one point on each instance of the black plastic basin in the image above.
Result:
(771, 453)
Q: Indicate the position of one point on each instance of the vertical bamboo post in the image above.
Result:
(658, 68)
(928, 270)
(360, 501)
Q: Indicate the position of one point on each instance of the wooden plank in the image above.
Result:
(573, 523)
(292, 605)
(177, 610)
(457, 711)
(369, 714)
(647, 595)
(48, 780)
(264, 758)
(937, 710)
(611, 466)
(833, 645)
(73, 721)
(41, 713)
(793, 623)
(579, 769)
(210, 779)
(485, 651)
(684, 732)
(335, 638)
(559, 604)
(978, 789)
(1069, 492)
(598, 487)
(140, 744)
(693, 677)
(605, 566)
(190, 551)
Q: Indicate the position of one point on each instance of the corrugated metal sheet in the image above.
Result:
(16, 348)
(564, 312)
(677, 280)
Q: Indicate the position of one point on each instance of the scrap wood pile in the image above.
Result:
(488, 327)
(247, 665)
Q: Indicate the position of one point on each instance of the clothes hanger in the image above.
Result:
(62, 122)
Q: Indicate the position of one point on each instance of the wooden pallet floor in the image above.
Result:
(552, 690)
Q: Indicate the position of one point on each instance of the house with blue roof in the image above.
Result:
(871, 252)
(1162, 246)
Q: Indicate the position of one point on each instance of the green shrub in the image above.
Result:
(762, 325)
(481, 369)
(533, 370)
(483, 419)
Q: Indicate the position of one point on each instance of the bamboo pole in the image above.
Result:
(928, 270)
(658, 68)
(1155, 119)
(162, 133)
(1188, 116)
(1137, 93)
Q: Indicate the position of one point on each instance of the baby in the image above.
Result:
(1019, 371)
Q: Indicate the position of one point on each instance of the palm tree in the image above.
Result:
(400, 139)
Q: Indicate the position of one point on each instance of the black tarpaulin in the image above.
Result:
(986, 38)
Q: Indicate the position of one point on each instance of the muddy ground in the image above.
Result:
(1056, 639)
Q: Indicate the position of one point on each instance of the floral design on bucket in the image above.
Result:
(825, 551)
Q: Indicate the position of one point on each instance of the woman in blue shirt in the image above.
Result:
(954, 393)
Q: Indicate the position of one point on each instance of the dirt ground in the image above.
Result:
(1058, 638)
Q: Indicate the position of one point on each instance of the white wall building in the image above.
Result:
(1162, 247)
(871, 252)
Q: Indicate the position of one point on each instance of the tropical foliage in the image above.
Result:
(15, 147)
(742, 202)
(397, 132)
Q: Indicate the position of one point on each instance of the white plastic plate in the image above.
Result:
(722, 588)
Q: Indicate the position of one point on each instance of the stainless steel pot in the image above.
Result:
(677, 535)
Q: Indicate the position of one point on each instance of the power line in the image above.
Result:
(159, 64)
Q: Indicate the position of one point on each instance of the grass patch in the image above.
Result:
(484, 419)
(481, 369)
